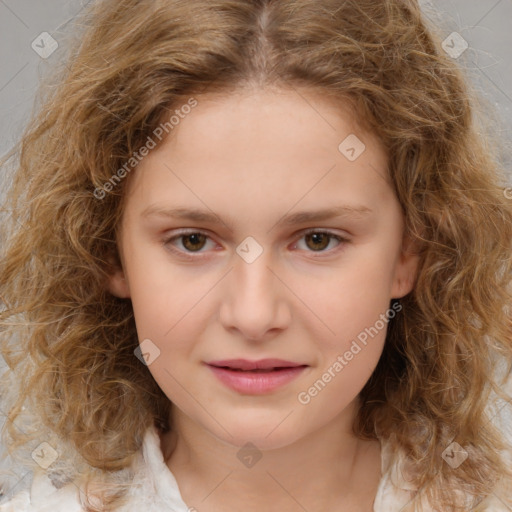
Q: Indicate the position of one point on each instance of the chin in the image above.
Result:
(266, 434)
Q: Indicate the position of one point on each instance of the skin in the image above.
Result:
(252, 157)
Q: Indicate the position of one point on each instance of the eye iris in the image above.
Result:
(317, 239)
(320, 241)
(194, 237)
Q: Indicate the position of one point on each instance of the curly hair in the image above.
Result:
(70, 343)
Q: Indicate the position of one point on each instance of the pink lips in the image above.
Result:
(255, 377)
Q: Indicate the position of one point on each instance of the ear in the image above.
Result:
(406, 269)
(117, 284)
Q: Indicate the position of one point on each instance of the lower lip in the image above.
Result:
(256, 383)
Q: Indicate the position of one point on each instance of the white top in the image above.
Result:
(155, 489)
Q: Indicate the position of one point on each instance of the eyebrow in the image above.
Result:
(302, 217)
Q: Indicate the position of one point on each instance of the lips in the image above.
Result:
(256, 377)
(263, 365)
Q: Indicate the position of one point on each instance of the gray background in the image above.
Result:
(484, 24)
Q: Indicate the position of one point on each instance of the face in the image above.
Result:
(252, 279)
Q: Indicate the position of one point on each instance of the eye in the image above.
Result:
(193, 241)
(318, 240)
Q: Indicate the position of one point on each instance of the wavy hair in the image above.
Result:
(70, 344)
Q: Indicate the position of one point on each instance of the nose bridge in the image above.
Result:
(253, 281)
(252, 303)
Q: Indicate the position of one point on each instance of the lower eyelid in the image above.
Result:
(339, 238)
(168, 241)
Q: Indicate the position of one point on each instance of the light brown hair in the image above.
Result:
(71, 344)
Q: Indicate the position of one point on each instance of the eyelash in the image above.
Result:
(167, 241)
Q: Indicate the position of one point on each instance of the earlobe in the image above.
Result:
(117, 285)
(406, 270)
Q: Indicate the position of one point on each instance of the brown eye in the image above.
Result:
(319, 241)
(188, 242)
(193, 241)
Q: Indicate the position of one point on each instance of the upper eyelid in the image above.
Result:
(301, 233)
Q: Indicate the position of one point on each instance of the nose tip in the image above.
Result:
(254, 304)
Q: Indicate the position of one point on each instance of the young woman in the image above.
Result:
(259, 258)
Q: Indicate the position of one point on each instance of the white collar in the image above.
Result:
(166, 486)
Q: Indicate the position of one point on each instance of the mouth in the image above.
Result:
(256, 377)
(261, 366)
(259, 370)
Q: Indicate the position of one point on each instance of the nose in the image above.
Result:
(255, 299)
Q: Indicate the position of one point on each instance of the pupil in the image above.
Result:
(196, 239)
(318, 238)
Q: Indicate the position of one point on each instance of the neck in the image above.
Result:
(323, 469)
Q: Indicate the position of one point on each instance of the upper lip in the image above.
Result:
(262, 364)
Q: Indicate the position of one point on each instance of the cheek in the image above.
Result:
(354, 308)
(351, 298)
(172, 307)
(339, 382)
(168, 322)
(163, 295)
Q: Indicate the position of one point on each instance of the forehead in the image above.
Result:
(260, 145)
(280, 119)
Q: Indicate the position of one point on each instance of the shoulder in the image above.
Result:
(19, 503)
(396, 490)
(43, 494)
(151, 487)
